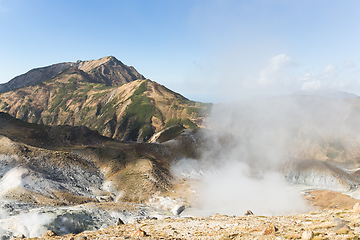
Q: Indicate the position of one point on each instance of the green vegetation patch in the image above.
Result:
(170, 133)
(141, 89)
(189, 123)
(332, 154)
(175, 107)
(60, 100)
(193, 110)
(107, 113)
(336, 144)
(172, 121)
(142, 109)
(139, 114)
(198, 109)
(101, 86)
(85, 90)
(182, 122)
(4, 106)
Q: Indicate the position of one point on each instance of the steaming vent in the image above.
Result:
(274, 148)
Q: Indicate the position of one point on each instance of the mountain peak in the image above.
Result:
(107, 70)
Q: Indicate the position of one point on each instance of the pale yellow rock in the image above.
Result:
(356, 208)
(307, 235)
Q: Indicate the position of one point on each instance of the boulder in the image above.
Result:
(48, 234)
(269, 230)
(248, 213)
(119, 222)
(342, 229)
(178, 209)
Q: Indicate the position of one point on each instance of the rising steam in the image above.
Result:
(245, 151)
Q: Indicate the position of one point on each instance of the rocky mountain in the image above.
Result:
(104, 95)
(107, 70)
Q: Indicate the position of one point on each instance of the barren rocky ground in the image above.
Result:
(339, 220)
(323, 224)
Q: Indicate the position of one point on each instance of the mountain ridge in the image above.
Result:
(98, 70)
(104, 95)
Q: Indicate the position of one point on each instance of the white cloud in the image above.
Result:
(329, 71)
(326, 80)
(307, 77)
(271, 72)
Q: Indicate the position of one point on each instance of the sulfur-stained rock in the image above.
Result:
(139, 233)
(269, 230)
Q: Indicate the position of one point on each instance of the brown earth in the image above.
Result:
(330, 200)
(323, 224)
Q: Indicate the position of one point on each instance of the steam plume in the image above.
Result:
(249, 142)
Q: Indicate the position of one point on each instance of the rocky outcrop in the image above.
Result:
(325, 224)
(107, 70)
(52, 222)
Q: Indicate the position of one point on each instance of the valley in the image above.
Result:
(83, 144)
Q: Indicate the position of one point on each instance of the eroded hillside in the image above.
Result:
(98, 95)
(55, 151)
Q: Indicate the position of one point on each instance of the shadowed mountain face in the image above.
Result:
(76, 164)
(104, 95)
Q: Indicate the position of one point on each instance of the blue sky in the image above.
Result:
(207, 50)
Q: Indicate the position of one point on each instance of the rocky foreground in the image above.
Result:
(324, 224)
(337, 218)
